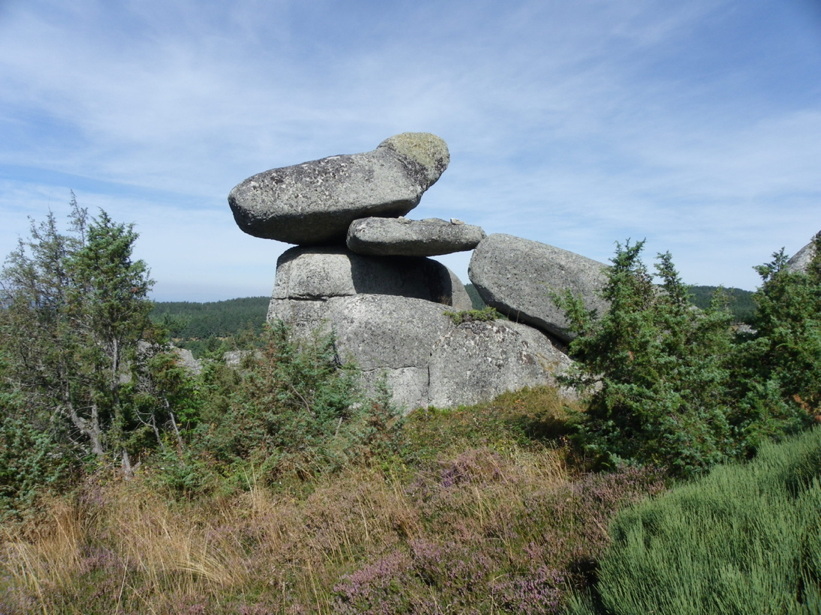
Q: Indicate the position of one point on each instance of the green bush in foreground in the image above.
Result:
(657, 369)
(674, 386)
(745, 539)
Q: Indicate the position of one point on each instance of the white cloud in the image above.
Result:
(577, 124)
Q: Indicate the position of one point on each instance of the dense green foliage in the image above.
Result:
(659, 367)
(673, 386)
(745, 539)
(188, 320)
(82, 366)
(291, 411)
(74, 309)
(778, 375)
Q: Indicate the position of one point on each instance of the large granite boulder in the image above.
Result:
(476, 361)
(314, 203)
(404, 237)
(517, 276)
(318, 273)
(415, 347)
(801, 260)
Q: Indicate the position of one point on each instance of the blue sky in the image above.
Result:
(695, 125)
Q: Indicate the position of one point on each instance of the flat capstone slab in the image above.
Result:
(314, 203)
(405, 237)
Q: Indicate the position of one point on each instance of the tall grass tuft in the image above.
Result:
(745, 539)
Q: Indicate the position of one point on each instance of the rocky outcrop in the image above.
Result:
(361, 272)
(424, 357)
(404, 237)
(802, 258)
(477, 361)
(315, 202)
(305, 273)
(517, 276)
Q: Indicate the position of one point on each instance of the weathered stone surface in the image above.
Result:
(385, 336)
(404, 237)
(423, 356)
(305, 273)
(314, 203)
(801, 260)
(477, 361)
(516, 276)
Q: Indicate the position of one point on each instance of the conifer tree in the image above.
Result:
(657, 369)
(75, 307)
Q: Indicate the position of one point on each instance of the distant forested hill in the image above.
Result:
(188, 320)
(740, 301)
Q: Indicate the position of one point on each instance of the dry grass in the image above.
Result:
(480, 517)
(142, 553)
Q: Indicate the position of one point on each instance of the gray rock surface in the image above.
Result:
(314, 203)
(318, 273)
(423, 356)
(516, 276)
(478, 361)
(802, 258)
(405, 237)
(186, 359)
(386, 336)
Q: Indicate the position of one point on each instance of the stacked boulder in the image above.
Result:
(361, 269)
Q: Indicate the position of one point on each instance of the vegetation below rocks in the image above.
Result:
(130, 485)
(745, 539)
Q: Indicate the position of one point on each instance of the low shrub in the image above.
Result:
(486, 314)
(745, 539)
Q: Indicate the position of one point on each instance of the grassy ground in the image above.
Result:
(486, 510)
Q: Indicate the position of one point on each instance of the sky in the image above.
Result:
(695, 125)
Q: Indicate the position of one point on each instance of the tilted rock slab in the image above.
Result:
(422, 355)
(314, 203)
(801, 261)
(318, 273)
(404, 237)
(516, 276)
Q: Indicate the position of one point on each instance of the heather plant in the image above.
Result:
(744, 539)
(499, 533)
(506, 525)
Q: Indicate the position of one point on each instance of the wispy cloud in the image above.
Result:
(579, 124)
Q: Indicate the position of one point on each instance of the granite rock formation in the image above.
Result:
(314, 203)
(360, 271)
(517, 276)
(404, 237)
(318, 273)
(801, 260)
(423, 356)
